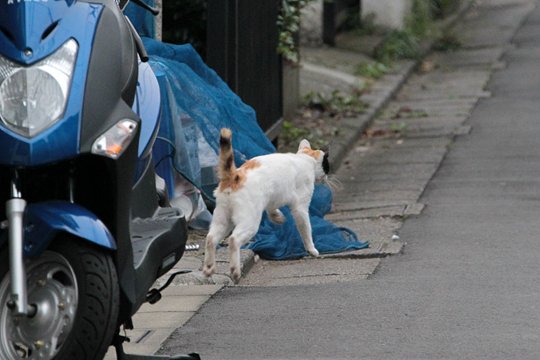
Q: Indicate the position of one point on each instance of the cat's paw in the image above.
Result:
(209, 269)
(313, 252)
(236, 274)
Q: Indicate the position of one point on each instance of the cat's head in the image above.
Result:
(323, 166)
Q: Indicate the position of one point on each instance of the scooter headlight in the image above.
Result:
(33, 98)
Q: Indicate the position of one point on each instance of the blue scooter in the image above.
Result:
(85, 230)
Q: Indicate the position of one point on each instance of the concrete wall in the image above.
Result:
(159, 19)
(311, 23)
(388, 13)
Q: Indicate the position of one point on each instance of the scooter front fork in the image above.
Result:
(18, 302)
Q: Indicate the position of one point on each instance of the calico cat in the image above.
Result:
(264, 183)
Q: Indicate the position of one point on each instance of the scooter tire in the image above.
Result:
(96, 314)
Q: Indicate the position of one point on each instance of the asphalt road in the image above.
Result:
(468, 284)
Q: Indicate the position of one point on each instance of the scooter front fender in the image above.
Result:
(44, 221)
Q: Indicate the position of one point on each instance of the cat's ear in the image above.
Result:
(304, 144)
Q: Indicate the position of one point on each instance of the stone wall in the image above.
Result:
(311, 24)
(388, 13)
(159, 19)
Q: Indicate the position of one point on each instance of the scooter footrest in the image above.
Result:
(192, 356)
(162, 225)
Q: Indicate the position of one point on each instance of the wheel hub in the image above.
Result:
(52, 289)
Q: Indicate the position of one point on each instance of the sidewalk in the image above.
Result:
(388, 168)
(383, 174)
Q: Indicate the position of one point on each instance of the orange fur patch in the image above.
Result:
(250, 164)
(235, 182)
(313, 153)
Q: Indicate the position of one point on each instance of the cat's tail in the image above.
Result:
(226, 169)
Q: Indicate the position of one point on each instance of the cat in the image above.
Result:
(264, 183)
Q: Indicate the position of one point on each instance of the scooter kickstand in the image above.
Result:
(121, 355)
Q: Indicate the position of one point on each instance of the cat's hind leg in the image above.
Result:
(220, 227)
(276, 216)
(301, 217)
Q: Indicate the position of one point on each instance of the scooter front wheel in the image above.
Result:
(74, 289)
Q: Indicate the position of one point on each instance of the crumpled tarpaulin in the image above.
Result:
(197, 105)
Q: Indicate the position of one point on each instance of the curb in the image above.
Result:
(196, 277)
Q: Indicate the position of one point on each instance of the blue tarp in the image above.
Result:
(142, 20)
(197, 104)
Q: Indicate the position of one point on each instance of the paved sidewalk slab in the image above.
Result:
(490, 18)
(385, 211)
(308, 271)
(382, 232)
(173, 303)
(162, 319)
(369, 195)
(467, 58)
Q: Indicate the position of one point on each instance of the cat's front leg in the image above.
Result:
(301, 217)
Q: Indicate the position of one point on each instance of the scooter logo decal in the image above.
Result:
(12, 2)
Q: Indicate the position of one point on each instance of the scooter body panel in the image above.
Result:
(43, 26)
(147, 106)
(78, 21)
(44, 221)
